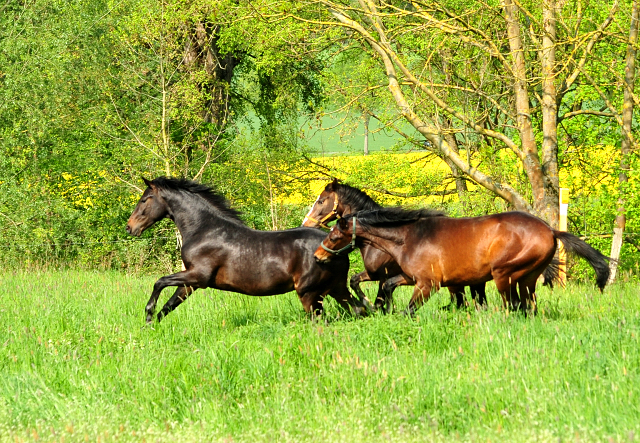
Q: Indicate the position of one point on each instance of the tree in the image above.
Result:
(524, 67)
(627, 139)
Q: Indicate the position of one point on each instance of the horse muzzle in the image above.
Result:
(133, 231)
(321, 256)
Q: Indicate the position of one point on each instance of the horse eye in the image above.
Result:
(321, 201)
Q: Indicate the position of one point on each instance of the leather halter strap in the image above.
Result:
(350, 247)
(334, 211)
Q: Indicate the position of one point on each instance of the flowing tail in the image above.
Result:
(598, 262)
(551, 273)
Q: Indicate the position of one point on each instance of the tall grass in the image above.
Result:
(78, 365)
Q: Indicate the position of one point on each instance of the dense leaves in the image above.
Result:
(95, 94)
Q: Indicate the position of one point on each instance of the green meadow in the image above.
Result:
(78, 364)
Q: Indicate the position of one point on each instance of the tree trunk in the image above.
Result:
(461, 184)
(366, 132)
(531, 160)
(550, 203)
(626, 145)
(202, 52)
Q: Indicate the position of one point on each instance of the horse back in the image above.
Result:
(262, 262)
(470, 247)
(518, 229)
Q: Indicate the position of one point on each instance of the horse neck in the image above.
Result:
(191, 214)
(351, 205)
(390, 240)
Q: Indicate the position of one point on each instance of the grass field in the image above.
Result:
(77, 366)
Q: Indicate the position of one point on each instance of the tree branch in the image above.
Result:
(566, 84)
(571, 114)
(430, 133)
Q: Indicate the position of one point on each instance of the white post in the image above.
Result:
(562, 226)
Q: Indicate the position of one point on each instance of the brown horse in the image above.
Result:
(432, 250)
(220, 252)
(339, 199)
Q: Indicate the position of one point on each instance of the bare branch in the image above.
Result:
(571, 114)
(406, 195)
(566, 84)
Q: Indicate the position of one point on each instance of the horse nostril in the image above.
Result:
(128, 229)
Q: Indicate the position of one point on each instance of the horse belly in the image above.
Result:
(253, 280)
(453, 268)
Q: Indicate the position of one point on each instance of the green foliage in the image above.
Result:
(106, 92)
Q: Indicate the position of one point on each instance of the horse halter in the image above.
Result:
(351, 246)
(334, 211)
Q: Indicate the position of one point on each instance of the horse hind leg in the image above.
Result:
(527, 289)
(178, 297)
(508, 291)
(421, 294)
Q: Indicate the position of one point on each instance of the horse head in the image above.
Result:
(325, 209)
(341, 239)
(150, 208)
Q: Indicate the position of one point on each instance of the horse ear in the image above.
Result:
(333, 185)
(146, 182)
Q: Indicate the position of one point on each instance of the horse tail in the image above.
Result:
(598, 262)
(551, 273)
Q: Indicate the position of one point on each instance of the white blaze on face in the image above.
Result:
(306, 217)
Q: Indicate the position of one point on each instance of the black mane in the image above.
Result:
(204, 191)
(393, 216)
(354, 197)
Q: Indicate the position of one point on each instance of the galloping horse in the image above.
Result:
(338, 200)
(512, 248)
(220, 252)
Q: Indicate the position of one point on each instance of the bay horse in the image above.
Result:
(512, 248)
(219, 251)
(339, 199)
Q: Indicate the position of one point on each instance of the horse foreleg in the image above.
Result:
(390, 285)
(183, 278)
(348, 302)
(421, 293)
(178, 297)
(312, 304)
(478, 294)
(355, 281)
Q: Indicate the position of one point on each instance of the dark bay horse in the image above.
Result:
(512, 248)
(220, 252)
(339, 199)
